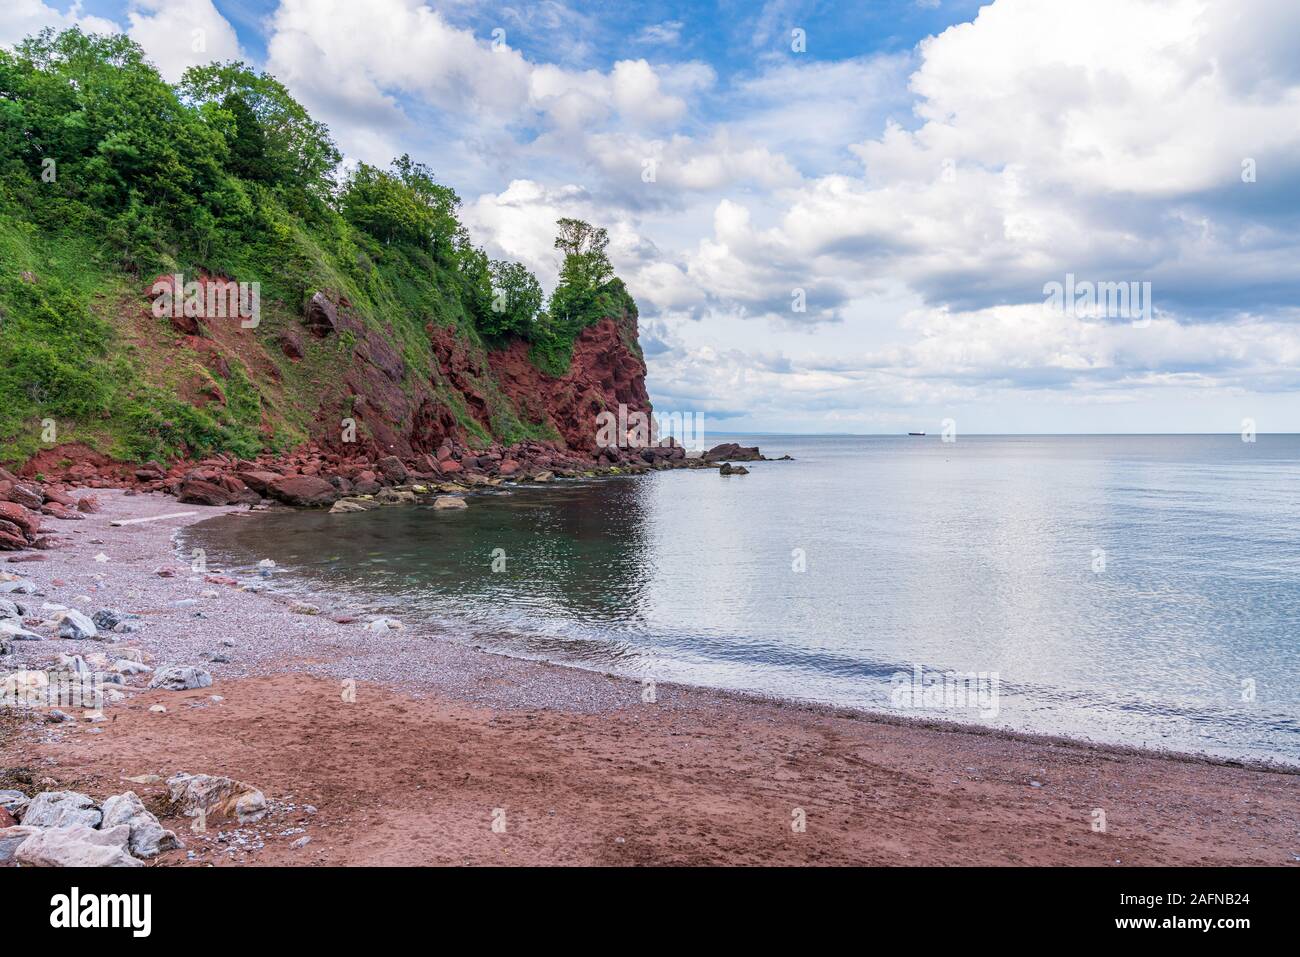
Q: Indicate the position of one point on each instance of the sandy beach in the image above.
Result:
(404, 748)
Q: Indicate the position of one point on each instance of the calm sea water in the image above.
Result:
(1133, 589)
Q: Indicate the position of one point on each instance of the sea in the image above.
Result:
(1125, 589)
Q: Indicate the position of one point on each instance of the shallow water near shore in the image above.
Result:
(1139, 590)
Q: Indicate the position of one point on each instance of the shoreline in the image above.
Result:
(378, 605)
(794, 702)
(282, 656)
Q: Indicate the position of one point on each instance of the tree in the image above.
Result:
(300, 155)
(249, 157)
(124, 148)
(516, 301)
(586, 261)
(405, 206)
(442, 202)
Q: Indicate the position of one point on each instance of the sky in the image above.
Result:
(848, 217)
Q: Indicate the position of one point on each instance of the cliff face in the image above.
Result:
(604, 374)
(467, 394)
(354, 391)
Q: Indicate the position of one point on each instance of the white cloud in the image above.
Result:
(178, 34)
(637, 94)
(1109, 144)
(669, 31)
(23, 18)
(359, 64)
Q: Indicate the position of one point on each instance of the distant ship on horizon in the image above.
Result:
(916, 433)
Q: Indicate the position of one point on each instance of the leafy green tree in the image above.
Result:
(299, 153)
(249, 156)
(91, 122)
(587, 292)
(586, 260)
(516, 300)
(393, 211)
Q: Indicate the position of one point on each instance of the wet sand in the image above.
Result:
(442, 743)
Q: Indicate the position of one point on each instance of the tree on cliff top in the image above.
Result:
(586, 261)
(403, 206)
(587, 292)
(296, 151)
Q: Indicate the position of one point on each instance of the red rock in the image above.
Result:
(603, 374)
(6, 819)
(59, 498)
(321, 316)
(61, 513)
(11, 537)
(200, 492)
(450, 467)
(27, 494)
(257, 480)
(508, 467)
(733, 452)
(88, 503)
(32, 557)
(303, 490)
(393, 469)
(28, 521)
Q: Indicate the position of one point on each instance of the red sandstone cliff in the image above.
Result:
(360, 393)
(603, 375)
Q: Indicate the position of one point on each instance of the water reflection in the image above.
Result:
(979, 556)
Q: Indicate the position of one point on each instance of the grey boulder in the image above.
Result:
(148, 837)
(180, 678)
(77, 846)
(61, 809)
(76, 626)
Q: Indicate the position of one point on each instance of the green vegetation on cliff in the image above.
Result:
(109, 176)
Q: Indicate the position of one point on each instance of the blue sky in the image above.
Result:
(855, 236)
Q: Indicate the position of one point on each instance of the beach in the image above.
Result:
(393, 747)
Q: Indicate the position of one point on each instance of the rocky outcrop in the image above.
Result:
(733, 452)
(384, 419)
(303, 490)
(603, 374)
(19, 525)
(146, 837)
(180, 678)
(61, 809)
